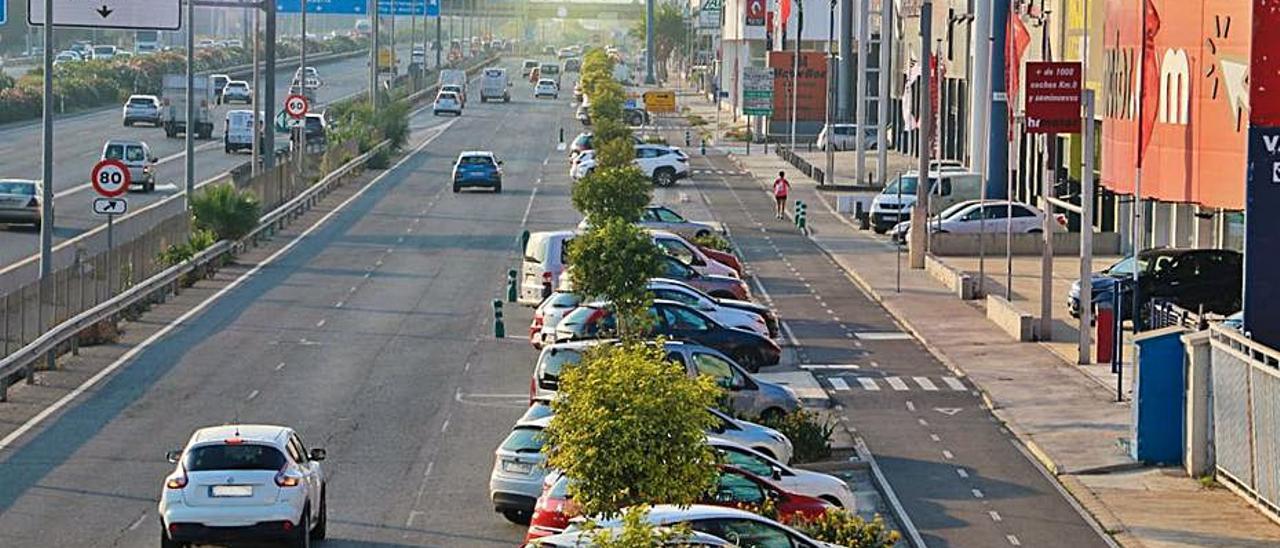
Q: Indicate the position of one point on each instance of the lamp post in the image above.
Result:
(830, 173)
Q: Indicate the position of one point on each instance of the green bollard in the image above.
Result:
(524, 240)
(499, 330)
(511, 285)
(795, 219)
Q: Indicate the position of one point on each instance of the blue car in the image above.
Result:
(477, 168)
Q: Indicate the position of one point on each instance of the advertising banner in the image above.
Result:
(1053, 97)
(810, 86)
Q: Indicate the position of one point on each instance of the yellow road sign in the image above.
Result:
(660, 101)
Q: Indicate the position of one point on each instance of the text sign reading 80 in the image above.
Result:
(110, 178)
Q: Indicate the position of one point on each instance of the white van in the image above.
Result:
(946, 188)
(238, 131)
(494, 85)
(545, 257)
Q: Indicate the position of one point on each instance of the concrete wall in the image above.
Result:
(960, 283)
(1019, 325)
(1066, 244)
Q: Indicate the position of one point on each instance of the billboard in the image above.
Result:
(810, 86)
(757, 91)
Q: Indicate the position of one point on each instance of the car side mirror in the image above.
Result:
(317, 454)
(172, 456)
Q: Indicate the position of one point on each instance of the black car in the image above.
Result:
(1189, 278)
(678, 322)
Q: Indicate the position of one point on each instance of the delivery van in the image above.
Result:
(946, 188)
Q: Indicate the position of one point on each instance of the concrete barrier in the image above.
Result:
(961, 284)
(1064, 243)
(1020, 325)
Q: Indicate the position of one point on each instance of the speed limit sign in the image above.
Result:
(110, 178)
(295, 106)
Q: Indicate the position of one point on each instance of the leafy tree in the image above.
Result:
(670, 33)
(609, 192)
(614, 261)
(839, 526)
(615, 153)
(228, 213)
(628, 427)
(635, 531)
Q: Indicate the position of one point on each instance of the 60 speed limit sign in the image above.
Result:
(110, 178)
(295, 106)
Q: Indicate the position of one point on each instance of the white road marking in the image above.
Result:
(197, 309)
(962, 472)
(868, 384)
(925, 383)
(321, 323)
(838, 384)
(279, 366)
(816, 366)
(935, 438)
(947, 454)
(138, 522)
(995, 516)
(529, 206)
(340, 304)
(922, 422)
(884, 336)
(953, 383)
(252, 395)
(911, 406)
(977, 493)
(1013, 540)
(444, 427)
(897, 383)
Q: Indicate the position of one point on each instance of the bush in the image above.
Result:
(229, 213)
(614, 261)
(175, 254)
(695, 120)
(608, 192)
(713, 241)
(838, 526)
(810, 436)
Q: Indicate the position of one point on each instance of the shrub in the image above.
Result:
(713, 241)
(810, 436)
(841, 527)
(229, 213)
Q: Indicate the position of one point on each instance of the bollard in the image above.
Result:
(524, 240)
(1106, 318)
(796, 210)
(704, 147)
(562, 136)
(499, 330)
(748, 146)
(687, 139)
(511, 285)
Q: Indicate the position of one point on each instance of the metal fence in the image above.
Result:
(800, 163)
(1246, 416)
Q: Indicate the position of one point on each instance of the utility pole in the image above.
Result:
(373, 53)
(795, 70)
(844, 93)
(829, 176)
(980, 96)
(882, 130)
(920, 213)
(860, 94)
(46, 184)
(439, 29)
(269, 84)
(189, 161)
(302, 79)
(258, 111)
(648, 43)
(997, 142)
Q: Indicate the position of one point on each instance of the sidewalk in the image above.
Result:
(1065, 420)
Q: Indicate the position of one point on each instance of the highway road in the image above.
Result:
(79, 139)
(371, 336)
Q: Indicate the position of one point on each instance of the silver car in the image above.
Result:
(542, 331)
(516, 479)
(585, 539)
(767, 441)
(748, 396)
(136, 155)
(739, 526)
(142, 108)
(20, 201)
(663, 218)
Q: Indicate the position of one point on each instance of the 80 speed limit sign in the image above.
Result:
(295, 106)
(110, 178)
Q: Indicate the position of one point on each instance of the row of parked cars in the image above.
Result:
(709, 324)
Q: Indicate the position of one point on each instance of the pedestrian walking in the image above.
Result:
(781, 186)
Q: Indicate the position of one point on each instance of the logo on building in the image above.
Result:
(1175, 87)
(1229, 76)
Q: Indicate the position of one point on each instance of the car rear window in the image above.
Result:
(524, 439)
(475, 161)
(246, 456)
(21, 189)
(553, 361)
(550, 69)
(141, 101)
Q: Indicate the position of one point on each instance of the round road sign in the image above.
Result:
(296, 106)
(110, 178)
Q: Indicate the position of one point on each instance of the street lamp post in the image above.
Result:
(830, 173)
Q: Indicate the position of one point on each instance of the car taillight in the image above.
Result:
(285, 480)
(178, 482)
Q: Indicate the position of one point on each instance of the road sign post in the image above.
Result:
(110, 178)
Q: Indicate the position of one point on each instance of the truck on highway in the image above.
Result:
(173, 106)
(494, 85)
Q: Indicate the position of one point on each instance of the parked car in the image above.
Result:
(546, 87)
(583, 114)
(664, 218)
(584, 142)
(244, 482)
(544, 262)
(142, 108)
(104, 52)
(770, 318)
(845, 137)
(894, 204)
(740, 527)
(973, 217)
(766, 441)
(447, 101)
(136, 156)
(821, 486)
(542, 330)
(746, 320)
(477, 168)
(674, 538)
(663, 164)
(748, 395)
(716, 286)
(724, 257)
(690, 254)
(1189, 278)
(677, 322)
(516, 479)
(20, 201)
(237, 91)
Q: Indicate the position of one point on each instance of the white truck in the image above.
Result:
(173, 106)
(494, 85)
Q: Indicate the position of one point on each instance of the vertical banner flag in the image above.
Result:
(1150, 78)
(1016, 42)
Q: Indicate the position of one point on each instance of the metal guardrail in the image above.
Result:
(21, 363)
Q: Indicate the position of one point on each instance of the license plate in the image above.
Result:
(231, 491)
(517, 467)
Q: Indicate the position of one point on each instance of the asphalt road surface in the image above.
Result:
(372, 336)
(79, 139)
(958, 473)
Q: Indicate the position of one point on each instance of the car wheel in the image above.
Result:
(166, 542)
(1035, 231)
(498, 189)
(518, 517)
(435, 112)
(748, 359)
(879, 230)
(701, 234)
(664, 177)
(456, 189)
(127, 123)
(151, 186)
(321, 529)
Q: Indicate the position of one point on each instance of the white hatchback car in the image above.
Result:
(447, 101)
(546, 88)
(246, 482)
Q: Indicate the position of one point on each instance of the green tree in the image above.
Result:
(608, 192)
(670, 33)
(839, 526)
(628, 427)
(228, 213)
(615, 153)
(614, 261)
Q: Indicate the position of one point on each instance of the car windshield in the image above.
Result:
(103, 50)
(475, 161)
(524, 439)
(1124, 268)
(554, 360)
(905, 184)
(19, 188)
(247, 456)
(447, 96)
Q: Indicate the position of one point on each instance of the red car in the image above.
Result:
(728, 259)
(735, 488)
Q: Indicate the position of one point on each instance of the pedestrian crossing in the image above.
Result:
(895, 384)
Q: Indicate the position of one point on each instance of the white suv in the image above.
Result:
(240, 483)
(664, 164)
